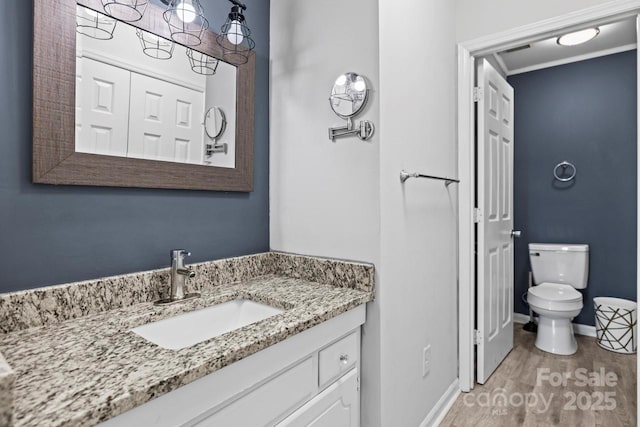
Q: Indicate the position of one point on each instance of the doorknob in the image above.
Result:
(516, 234)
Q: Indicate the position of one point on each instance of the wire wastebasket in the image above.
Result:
(616, 321)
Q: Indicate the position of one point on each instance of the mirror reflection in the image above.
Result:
(215, 122)
(349, 95)
(142, 96)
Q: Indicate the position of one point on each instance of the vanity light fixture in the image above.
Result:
(93, 24)
(125, 10)
(578, 37)
(186, 21)
(154, 46)
(201, 63)
(235, 36)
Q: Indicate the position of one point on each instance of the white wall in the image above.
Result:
(480, 18)
(418, 219)
(221, 92)
(344, 200)
(324, 196)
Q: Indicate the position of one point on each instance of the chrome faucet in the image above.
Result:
(179, 275)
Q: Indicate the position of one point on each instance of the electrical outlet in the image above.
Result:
(426, 361)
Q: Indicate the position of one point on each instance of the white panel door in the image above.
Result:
(165, 121)
(495, 202)
(102, 110)
(337, 406)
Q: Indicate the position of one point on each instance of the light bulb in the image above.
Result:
(235, 35)
(341, 80)
(360, 86)
(186, 12)
(579, 37)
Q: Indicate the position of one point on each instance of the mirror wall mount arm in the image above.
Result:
(55, 160)
(364, 131)
(211, 149)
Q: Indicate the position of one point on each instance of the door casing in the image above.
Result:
(467, 53)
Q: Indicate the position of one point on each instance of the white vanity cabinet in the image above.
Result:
(338, 405)
(309, 379)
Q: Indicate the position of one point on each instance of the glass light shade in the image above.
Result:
(201, 63)
(154, 46)
(186, 21)
(126, 10)
(93, 24)
(578, 37)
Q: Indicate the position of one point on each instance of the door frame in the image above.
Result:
(467, 53)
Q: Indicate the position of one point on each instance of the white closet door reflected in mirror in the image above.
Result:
(140, 105)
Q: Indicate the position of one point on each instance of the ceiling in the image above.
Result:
(613, 38)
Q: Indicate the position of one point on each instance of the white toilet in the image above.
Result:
(558, 270)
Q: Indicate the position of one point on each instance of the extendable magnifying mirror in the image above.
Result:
(348, 98)
(215, 123)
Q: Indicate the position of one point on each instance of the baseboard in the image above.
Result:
(440, 410)
(520, 318)
(586, 330)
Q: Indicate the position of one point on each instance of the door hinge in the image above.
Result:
(477, 337)
(478, 94)
(477, 215)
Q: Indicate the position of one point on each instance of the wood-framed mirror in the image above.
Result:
(60, 158)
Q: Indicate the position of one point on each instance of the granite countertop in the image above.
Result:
(91, 368)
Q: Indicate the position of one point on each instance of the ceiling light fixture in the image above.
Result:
(186, 21)
(235, 37)
(578, 37)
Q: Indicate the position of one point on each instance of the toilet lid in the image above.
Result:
(555, 292)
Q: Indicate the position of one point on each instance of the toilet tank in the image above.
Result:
(560, 263)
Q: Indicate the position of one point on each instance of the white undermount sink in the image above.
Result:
(185, 330)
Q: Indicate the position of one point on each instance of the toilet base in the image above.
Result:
(556, 336)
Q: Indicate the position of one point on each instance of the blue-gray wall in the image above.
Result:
(584, 113)
(51, 235)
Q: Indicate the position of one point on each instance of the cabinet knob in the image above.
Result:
(344, 358)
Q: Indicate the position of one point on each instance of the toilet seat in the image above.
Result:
(555, 297)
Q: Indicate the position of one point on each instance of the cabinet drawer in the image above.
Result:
(338, 358)
(263, 405)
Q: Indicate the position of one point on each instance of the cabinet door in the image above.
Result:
(337, 406)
